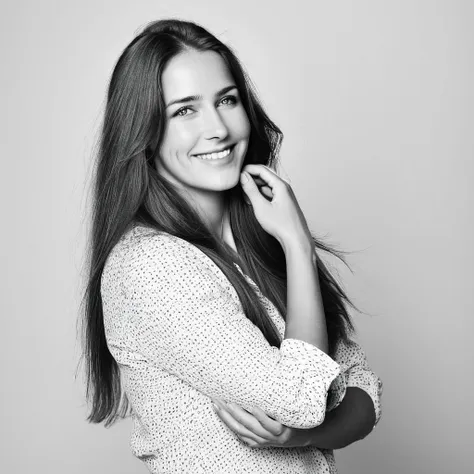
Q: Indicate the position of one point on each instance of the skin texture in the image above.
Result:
(212, 122)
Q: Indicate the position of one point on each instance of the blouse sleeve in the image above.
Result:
(355, 372)
(184, 320)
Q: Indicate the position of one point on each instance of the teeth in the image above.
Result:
(215, 156)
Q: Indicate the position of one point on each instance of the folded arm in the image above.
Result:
(355, 372)
(183, 318)
(354, 404)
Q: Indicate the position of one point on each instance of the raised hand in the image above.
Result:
(274, 204)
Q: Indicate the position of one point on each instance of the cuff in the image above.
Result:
(321, 365)
(337, 391)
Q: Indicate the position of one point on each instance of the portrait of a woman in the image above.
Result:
(211, 317)
(237, 237)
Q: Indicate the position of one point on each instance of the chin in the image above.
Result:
(225, 185)
(228, 185)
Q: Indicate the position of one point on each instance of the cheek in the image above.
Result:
(179, 138)
(243, 125)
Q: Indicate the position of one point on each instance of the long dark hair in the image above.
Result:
(129, 191)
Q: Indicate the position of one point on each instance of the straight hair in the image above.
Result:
(129, 191)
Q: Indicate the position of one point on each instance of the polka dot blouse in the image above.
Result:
(177, 330)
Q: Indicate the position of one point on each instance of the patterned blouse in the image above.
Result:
(176, 328)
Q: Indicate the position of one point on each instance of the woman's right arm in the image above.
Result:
(277, 210)
(305, 318)
(182, 317)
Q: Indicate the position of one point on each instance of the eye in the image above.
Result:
(181, 112)
(229, 100)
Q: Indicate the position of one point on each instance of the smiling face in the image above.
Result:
(207, 130)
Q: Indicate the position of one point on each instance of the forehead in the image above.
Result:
(195, 73)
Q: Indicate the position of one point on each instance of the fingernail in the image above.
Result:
(244, 177)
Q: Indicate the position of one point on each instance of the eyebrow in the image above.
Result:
(192, 98)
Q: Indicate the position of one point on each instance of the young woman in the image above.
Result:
(209, 314)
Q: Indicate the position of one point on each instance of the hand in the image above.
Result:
(257, 430)
(277, 210)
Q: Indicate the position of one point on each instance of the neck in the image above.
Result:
(212, 209)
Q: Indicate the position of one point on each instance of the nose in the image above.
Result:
(213, 125)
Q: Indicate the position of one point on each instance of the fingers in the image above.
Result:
(243, 423)
(270, 178)
(271, 425)
(259, 181)
(263, 188)
(252, 443)
(242, 432)
(267, 192)
(251, 190)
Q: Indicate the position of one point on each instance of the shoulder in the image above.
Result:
(149, 243)
(146, 255)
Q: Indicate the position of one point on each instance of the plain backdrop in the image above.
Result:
(376, 102)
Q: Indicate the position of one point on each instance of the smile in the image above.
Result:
(216, 156)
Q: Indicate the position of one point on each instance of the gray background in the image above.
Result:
(376, 102)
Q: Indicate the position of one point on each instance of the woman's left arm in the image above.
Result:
(352, 420)
(353, 410)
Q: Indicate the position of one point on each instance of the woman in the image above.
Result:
(209, 312)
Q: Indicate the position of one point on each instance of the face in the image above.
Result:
(207, 129)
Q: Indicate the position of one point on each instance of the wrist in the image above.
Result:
(298, 244)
